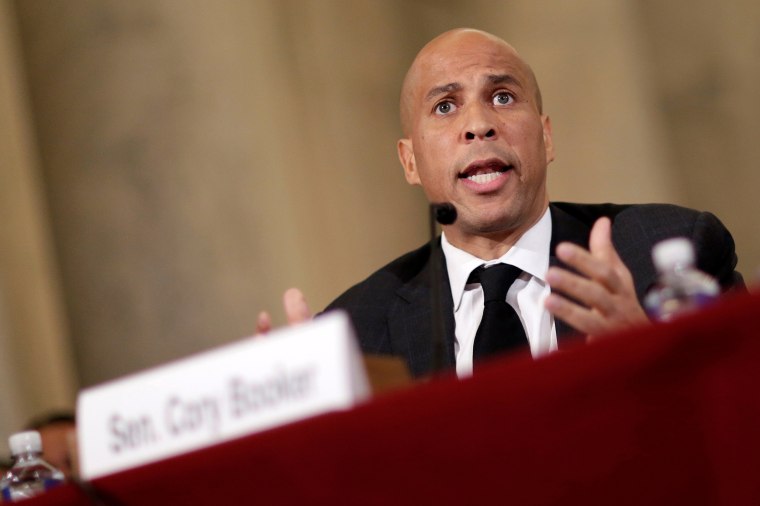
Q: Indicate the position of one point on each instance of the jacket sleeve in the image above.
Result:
(716, 253)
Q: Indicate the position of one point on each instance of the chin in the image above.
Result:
(487, 225)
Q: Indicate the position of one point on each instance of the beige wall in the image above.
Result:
(36, 371)
(706, 59)
(199, 157)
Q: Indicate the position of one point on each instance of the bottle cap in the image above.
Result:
(672, 253)
(25, 442)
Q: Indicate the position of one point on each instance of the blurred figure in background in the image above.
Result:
(58, 432)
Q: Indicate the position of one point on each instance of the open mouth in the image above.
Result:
(484, 172)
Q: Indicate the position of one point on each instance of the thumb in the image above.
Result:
(600, 241)
(296, 309)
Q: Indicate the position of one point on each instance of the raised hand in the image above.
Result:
(296, 311)
(604, 287)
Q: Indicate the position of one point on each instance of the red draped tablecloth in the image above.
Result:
(668, 414)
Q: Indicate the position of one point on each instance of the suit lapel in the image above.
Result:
(410, 317)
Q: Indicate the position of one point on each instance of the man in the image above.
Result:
(58, 433)
(476, 136)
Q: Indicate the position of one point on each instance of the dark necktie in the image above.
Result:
(500, 329)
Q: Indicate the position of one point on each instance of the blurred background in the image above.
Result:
(169, 167)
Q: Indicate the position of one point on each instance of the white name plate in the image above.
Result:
(237, 389)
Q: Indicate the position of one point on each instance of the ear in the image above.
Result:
(546, 124)
(406, 157)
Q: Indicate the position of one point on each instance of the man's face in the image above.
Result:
(57, 444)
(475, 136)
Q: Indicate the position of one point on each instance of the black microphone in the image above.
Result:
(445, 214)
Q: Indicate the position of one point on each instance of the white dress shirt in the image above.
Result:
(527, 295)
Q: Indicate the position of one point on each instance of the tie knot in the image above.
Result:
(495, 280)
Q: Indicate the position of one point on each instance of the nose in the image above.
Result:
(479, 125)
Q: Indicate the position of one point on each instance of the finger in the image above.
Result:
(587, 264)
(601, 247)
(588, 292)
(263, 323)
(600, 240)
(584, 320)
(296, 309)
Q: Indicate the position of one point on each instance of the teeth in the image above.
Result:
(485, 178)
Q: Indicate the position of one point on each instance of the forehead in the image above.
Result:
(465, 59)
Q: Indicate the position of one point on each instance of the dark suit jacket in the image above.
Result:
(391, 310)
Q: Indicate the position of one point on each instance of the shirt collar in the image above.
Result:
(530, 253)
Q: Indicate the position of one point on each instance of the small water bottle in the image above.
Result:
(30, 474)
(681, 287)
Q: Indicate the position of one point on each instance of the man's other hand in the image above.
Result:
(604, 286)
(296, 311)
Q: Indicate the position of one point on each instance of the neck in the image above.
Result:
(487, 245)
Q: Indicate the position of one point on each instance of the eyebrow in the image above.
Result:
(491, 78)
(440, 90)
(502, 79)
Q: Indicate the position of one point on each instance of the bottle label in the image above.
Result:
(28, 489)
(22, 491)
(666, 310)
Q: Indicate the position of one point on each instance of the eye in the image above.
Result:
(444, 108)
(503, 98)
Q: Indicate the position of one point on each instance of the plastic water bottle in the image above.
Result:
(681, 287)
(30, 474)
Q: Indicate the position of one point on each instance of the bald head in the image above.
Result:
(447, 46)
